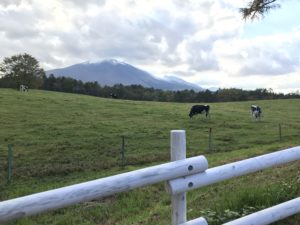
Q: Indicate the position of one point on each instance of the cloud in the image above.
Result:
(6, 3)
(265, 56)
(141, 32)
(22, 26)
(198, 40)
(84, 4)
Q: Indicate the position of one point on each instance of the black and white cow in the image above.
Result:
(256, 111)
(199, 109)
(23, 88)
(113, 95)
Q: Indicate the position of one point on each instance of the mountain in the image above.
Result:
(182, 83)
(110, 72)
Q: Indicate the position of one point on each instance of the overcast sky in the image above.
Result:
(202, 41)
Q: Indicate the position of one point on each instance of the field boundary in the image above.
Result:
(181, 174)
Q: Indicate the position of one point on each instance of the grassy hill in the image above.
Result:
(61, 139)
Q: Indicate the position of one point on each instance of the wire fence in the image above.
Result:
(125, 151)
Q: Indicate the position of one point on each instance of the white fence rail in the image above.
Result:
(61, 197)
(182, 175)
(262, 217)
(270, 215)
(231, 170)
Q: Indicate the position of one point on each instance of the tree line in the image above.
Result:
(138, 92)
(24, 69)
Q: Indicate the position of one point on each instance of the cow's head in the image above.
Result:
(191, 114)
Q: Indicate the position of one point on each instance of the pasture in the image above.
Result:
(61, 139)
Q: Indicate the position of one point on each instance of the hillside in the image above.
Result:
(111, 72)
(61, 139)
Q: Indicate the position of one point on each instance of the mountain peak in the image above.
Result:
(114, 61)
(110, 61)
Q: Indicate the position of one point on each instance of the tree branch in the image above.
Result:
(258, 8)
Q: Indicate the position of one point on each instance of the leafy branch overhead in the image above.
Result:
(258, 8)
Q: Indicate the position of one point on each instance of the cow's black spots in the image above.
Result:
(256, 111)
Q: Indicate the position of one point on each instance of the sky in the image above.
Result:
(205, 42)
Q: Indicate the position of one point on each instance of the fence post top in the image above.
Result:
(177, 131)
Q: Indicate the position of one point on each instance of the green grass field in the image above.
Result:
(61, 139)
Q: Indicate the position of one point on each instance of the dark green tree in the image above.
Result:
(258, 8)
(22, 69)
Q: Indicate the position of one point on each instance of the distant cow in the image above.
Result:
(199, 109)
(113, 95)
(256, 111)
(23, 88)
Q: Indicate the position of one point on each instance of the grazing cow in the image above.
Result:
(199, 109)
(113, 95)
(256, 111)
(23, 88)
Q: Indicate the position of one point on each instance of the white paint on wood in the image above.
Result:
(178, 152)
(198, 221)
(178, 145)
(58, 198)
(270, 215)
(231, 170)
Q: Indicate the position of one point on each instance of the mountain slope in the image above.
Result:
(110, 72)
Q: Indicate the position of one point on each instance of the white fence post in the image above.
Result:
(178, 152)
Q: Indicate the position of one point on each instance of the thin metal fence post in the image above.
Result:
(9, 162)
(279, 129)
(178, 152)
(123, 151)
(209, 139)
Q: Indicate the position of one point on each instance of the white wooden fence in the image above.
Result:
(181, 175)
